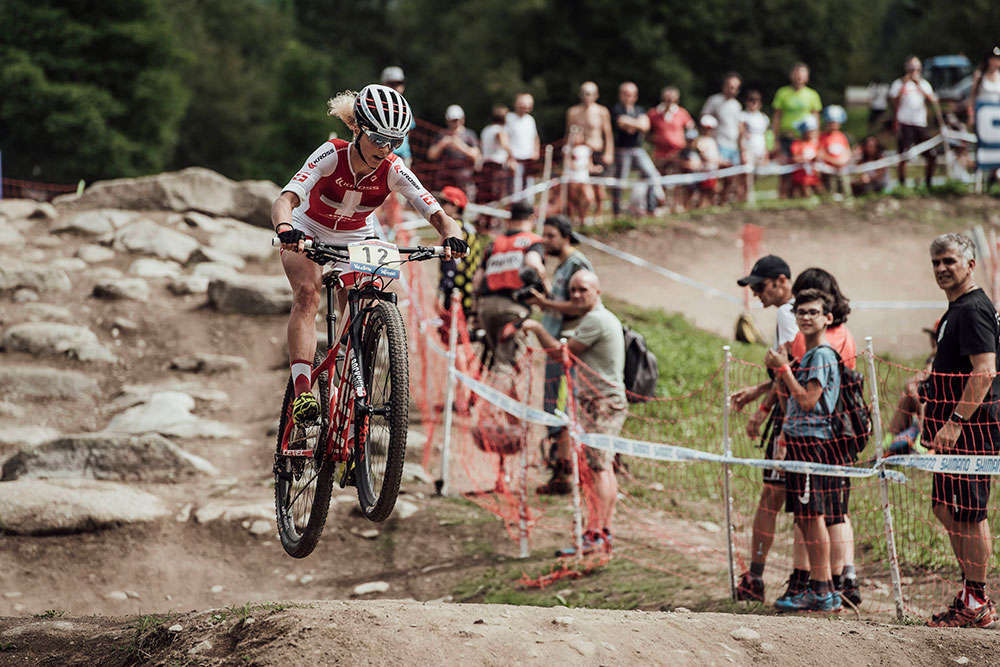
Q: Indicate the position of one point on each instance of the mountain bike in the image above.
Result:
(362, 384)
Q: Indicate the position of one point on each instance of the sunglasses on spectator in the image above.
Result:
(808, 312)
(382, 141)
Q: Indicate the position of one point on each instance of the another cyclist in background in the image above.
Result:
(331, 199)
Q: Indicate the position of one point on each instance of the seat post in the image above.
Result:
(331, 314)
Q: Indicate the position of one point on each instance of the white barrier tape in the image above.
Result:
(972, 465)
(672, 275)
(960, 136)
(899, 305)
(661, 452)
(508, 404)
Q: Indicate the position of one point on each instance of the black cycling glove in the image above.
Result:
(291, 235)
(457, 245)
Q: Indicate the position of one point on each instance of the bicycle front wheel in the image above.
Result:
(302, 484)
(381, 434)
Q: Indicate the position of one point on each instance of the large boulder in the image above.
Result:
(87, 223)
(169, 413)
(18, 209)
(36, 382)
(247, 243)
(14, 274)
(92, 254)
(147, 237)
(15, 435)
(133, 289)
(191, 189)
(251, 295)
(53, 338)
(106, 456)
(147, 267)
(204, 362)
(35, 507)
(10, 236)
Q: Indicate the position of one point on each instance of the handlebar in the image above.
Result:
(311, 244)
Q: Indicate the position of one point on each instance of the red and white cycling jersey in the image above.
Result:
(331, 195)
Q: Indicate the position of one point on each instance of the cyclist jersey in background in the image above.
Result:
(331, 195)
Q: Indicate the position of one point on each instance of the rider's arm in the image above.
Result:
(281, 209)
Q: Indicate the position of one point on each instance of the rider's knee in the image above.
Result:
(306, 297)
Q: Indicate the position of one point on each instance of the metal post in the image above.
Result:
(563, 185)
(574, 456)
(752, 186)
(890, 535)
(727, 474)
(523, 498)
(544, 194)
(449, 401)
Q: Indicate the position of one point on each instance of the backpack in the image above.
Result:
(641, 368)
(851, 418)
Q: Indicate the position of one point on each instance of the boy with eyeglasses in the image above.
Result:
(807, 435)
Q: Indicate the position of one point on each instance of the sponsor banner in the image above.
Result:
(508, 404)
(949, 463)
(988, 134)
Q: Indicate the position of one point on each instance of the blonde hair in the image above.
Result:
(342, 106)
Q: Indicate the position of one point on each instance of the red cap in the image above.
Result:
(455, 195)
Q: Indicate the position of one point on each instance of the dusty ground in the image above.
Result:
(176, 565)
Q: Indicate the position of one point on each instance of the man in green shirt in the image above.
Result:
(791, 104)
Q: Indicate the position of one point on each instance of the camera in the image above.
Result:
(532, 281)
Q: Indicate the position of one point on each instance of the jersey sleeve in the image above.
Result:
(402, 180)
(321, 163)
(977, 332)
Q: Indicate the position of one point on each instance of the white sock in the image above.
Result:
(300, 368)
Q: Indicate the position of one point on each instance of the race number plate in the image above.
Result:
(372, 255)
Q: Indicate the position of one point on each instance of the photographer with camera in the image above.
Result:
(512, 270)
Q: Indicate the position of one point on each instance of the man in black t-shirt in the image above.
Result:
(962, 417)
(629, 123)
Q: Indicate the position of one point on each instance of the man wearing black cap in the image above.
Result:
(559, 316)
(770, 280)
(513, 257)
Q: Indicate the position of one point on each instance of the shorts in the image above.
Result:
(808, 495)
(785, 144)
(323, 234)
(730, 155)
(708, 185)
(966, 496)
(605, 415)
(595, 158)
(772, 476)
(910, 135)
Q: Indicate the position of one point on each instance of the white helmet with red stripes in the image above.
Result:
(381, 109)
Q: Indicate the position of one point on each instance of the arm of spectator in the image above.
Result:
(977, 79)
(561, 307)
(548, 341)
(748, 395)
(535, 261)
(434, 152)
(469, 149)
(608, 157)
(807, 396)
(641, 123)
(776, 124)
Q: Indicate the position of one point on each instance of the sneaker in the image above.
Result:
(850, 591)
(592, 542)
(960, 616)
(793, 590)
(751, 587)
(808, 600)
(305, 409)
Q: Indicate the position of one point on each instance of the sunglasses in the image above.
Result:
(382, 141)
(808, 312)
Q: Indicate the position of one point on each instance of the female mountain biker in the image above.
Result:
(331, 199)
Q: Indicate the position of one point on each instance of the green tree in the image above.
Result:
(90, 90)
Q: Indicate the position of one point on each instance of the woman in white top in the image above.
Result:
(493, 182)
(753, 131)
(986, 83)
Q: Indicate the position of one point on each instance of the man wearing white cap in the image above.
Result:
(393, 77)
(457, 149)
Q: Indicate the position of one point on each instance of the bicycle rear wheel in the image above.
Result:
(382, 440)
(302, 485)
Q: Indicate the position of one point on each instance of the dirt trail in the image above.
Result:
(396, 632)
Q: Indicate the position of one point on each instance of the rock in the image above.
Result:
(213, 270)
(36, 382)
(960, 660)
(218, 588)
(52, 338)
(25, 295)
(169, 413)
(124, 325)
(405, 509)
(191, 189)
(563, 621)
(367, 533)
(15, 209)
(105, 273)
(11, 595)
(10, 236)
(744, 633)
(202, 362)
(203, 645)
(39, 278)
(46, 241)
(46, 312)
(117, 595)
(261, 527)
(306, 579)
(230, 512)
(134, 394)
(92, 254)
(583, 647)
(88, 223)
(682, 610)
(208, 254)
(371, 587)
(175, 628)
(134, 289)
(147, 237)
(106, 456)
(183, 285)
(70, 264)
(251, 295)
(709, 527)
(147, 267)
(250, 244)
(204, 222)
(25, 435)
(415, 472)
(35, 507)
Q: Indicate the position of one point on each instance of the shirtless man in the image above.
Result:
(595, 119)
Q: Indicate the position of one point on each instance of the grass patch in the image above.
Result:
(51, 613)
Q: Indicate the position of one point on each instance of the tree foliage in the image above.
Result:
(125, 87)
